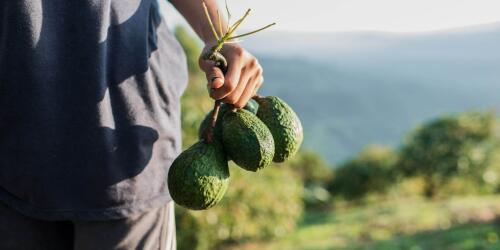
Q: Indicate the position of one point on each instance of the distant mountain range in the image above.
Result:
(357, 88)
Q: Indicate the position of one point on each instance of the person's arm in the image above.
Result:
(244, 73)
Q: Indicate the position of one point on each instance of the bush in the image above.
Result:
(447, 147)
(257, 206)
(315, 174)
(369, 172)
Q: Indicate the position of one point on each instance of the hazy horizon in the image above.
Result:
(358, 15)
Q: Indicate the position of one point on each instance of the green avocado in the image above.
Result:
(199, 176)
(251, 106)
(283, 123)
(218, 124)
(247, 141)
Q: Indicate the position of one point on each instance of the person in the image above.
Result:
(90, 120)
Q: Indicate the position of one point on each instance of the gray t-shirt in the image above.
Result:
(89, 107)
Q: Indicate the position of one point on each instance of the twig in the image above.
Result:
(228, 14)
(252, 32)
(210, 20)
(220, 24)
(238, 23)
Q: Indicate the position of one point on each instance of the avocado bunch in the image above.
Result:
(266, 130)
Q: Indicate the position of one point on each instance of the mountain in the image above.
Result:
(357, 88)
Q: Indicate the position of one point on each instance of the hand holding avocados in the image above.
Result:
(253, 137)
(265, 130)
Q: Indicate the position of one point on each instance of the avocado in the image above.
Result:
(251, 106)
(218, 124)
(283, 123)
(247, 141)
(199, 176)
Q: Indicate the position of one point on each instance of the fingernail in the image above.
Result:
(214, 78)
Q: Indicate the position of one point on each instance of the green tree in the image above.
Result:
(369, 172)
(447, 147)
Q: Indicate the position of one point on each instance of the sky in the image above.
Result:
(352, 15)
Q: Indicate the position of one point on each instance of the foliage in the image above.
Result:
(369, 172)
(491, 175)
(259, 205)
(315, 174)
(449, 146)
(192, 48)
(311, 167)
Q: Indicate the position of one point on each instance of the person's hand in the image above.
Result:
(242, 80)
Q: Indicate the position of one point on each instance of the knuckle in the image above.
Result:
(259, 71)
(231, 100)
(239, 51)
(253, 62)
(229, 85)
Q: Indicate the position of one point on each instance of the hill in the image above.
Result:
(357, 88)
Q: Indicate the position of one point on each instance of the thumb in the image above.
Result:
(215, 78)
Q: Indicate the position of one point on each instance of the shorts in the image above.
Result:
(153, 230)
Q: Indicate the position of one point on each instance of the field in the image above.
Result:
(453, 224)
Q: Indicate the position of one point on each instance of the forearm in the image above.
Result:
(194, 13)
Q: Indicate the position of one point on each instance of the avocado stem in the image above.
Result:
(208, 134)
(257, 97)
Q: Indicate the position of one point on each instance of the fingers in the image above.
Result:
(246, 94)
(215, 78)
(259, 84)
(241, 81)
(235, 96)
(205, 65)
(231, 81)
(251, 88)
(250, 80)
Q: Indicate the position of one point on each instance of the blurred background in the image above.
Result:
(399, 101)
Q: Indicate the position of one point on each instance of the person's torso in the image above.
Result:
(89, 103)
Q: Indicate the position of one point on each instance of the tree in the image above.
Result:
(369, 172)
(448, 146)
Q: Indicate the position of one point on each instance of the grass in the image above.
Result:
(455, 224)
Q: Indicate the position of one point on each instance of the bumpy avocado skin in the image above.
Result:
(199, 177)
(284, 124)
(247, 141)
(251, 106)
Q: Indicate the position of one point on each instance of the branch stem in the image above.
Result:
(212, 27)
(252, 32)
